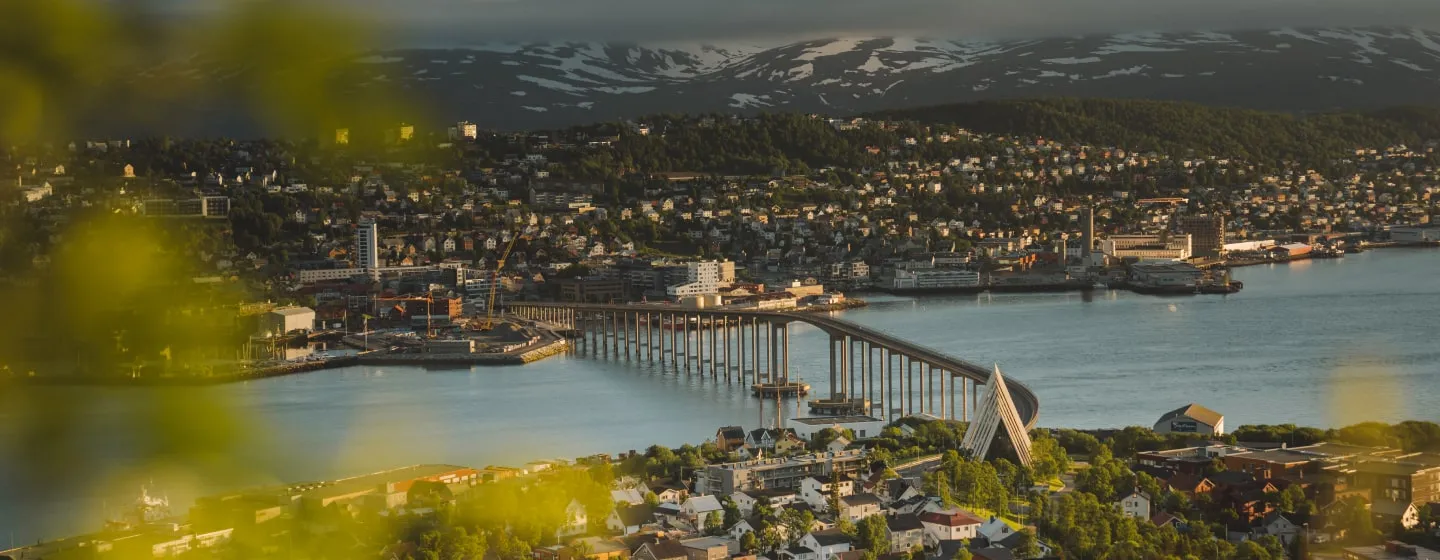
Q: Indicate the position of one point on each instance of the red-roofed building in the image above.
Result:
(953, 525)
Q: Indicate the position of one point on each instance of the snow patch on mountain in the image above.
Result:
(829, 47)
(1072, 60)
(746, 100)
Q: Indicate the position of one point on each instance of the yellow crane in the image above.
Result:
(489, 322)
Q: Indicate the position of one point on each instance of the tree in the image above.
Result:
(651, 499)
(873, 535)
(963, 554)
(1029, 546)
(797, 523)
(580, 548)
(714, 523)
(749, 543)
(1300, 548)
(732, 511)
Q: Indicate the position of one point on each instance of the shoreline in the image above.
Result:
(559, 345)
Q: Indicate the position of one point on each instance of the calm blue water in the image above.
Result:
(1322, 343)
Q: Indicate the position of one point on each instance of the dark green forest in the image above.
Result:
(1175, 127)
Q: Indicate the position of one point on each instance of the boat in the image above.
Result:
(1227, 288)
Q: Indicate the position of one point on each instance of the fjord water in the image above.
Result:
(1323, 342)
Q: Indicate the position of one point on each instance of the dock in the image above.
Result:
(784, 389)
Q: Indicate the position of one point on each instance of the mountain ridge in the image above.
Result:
(549, 85)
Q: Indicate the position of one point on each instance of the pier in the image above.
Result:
(870, 372)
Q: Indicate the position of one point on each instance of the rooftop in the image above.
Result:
(1282, 456)
(1340, 449)
(1392, 550)
(1193, 410)
(832, 420)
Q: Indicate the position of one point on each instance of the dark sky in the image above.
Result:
(438, 22)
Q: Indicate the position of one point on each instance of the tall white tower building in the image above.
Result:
(367, 245)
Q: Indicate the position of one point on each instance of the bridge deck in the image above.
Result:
(1026, 403)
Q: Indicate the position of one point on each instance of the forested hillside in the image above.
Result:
(1176, 127)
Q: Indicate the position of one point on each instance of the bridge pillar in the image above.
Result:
(909, 388)
(865, 381)
(685, 324)
(785, 354)
(725, 333)
(714, 334)
(615, 334)
(834, 377)
(755, 350)
(674, 356)
(964, 406)
(774, 357)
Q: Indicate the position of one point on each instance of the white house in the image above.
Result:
(824, 544)
(739, 529)
(668, 494)
(816, 491)
(859, 506)
(744, 502)
(1136, 505)
(632, 496)
(951, 525)
(576, 520)
(698, 508)
(1277, 524)
(629, 519)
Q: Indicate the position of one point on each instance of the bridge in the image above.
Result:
(870, 371)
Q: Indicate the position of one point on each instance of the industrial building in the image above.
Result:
(1415, 234)
(1165, 274)
(1164, 247)
(934, 279)
(287, 320)
(1207, 234)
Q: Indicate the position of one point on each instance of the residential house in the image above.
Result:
(766, 438)
(1390, 513)
(816, 490)
(698, 508)
(949, 525)
(576, 521)
(738, 530)
(1280, 525)
(1136, 504)
(906, 532)
(822, 545)
(668, 493)
(629, 519)
(668, 549)
(632, 496)
(859, 506)
(730, 438)
(710, 548)
(898, 490)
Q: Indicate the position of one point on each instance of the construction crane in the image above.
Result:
(429, 309)
(489, 322)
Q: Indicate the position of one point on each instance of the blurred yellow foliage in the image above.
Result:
(114, 302)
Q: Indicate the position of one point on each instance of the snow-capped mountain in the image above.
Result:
(516, 86)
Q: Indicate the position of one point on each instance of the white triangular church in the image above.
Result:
(996, 409)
